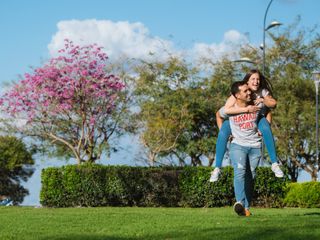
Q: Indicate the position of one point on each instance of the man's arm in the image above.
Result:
(230, 108)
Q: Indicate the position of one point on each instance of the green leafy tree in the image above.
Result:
(15, 166)
(290, 61)
(294, 56)
(198, 139)
(177, 109)
(181, 103)
(163, 116)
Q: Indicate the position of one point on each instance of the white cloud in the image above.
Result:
(231, 42)
(118, 38)
(133, 40)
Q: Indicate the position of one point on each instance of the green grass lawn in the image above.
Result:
(157, 223)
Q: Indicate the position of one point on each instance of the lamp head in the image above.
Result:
(316, 76)
(245, 59)
(273, 24)
(261, 46)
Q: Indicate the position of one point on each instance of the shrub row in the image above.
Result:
(303, 195)
(97, 185)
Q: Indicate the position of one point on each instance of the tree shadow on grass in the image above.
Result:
(236, 233)
(274, 234)
(85, 237)
(312, 213)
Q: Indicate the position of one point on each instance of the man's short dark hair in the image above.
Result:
(235, 87)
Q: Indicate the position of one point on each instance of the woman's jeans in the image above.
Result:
(244, 161)
(225, 132)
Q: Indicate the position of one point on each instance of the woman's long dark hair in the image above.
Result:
(264, 82)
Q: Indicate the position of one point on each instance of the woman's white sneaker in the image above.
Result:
(215, 175)
(275, 167)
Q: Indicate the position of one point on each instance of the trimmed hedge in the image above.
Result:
(305, 195)
(197, 191)
(97, 185)
(269, 191)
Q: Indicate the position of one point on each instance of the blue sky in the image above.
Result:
(32, 31)
(28, 27)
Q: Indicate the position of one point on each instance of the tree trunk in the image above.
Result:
(211, 160)
(151, 158)
(314, 175)
(195, 161)
(293, 178)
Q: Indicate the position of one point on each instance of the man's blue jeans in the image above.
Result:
(245, 161)
(225, 132)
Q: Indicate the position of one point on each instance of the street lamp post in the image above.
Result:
(245, 60)
(316, 79)
(263, 47)
(271, 25)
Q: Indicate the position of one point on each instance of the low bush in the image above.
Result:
(97, 185)
(197, 191)
(269, 191)
(305, 195)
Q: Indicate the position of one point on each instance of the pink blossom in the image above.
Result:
(72, 89)
(92, 121)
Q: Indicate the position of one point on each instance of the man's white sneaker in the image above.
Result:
(275, 167)
(215, 175)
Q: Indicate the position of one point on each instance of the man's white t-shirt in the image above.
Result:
(244, 128)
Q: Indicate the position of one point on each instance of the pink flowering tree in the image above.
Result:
(70, 102)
